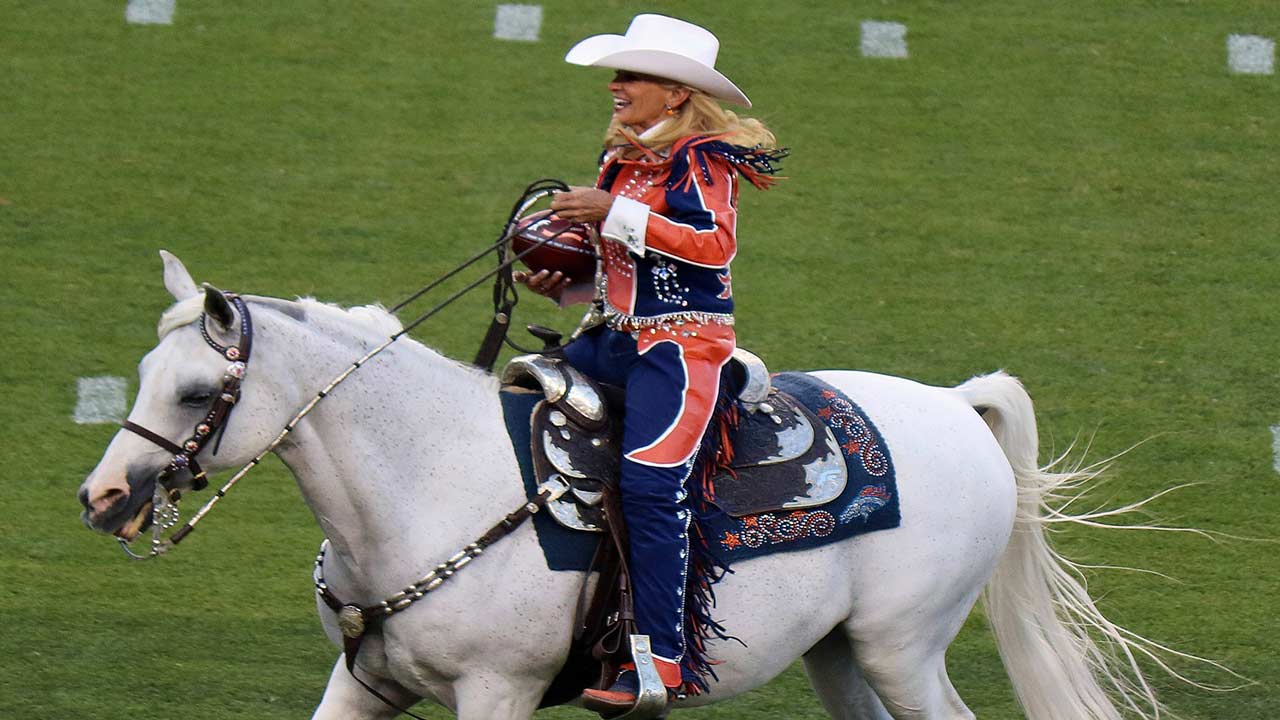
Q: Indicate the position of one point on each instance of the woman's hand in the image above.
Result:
(582, 204)
(544, 282)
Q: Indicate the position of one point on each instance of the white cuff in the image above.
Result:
(626, 223)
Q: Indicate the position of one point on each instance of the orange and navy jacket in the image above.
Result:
(670, 236)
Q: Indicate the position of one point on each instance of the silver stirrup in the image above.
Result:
(651, 698)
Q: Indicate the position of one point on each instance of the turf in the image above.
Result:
(1080, 193)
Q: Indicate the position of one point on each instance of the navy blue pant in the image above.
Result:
(663, 410)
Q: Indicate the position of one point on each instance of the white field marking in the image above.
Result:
(1251, 54)
(99, 400)
(518, 22)
(1275, 445)
(884, 39)
(150, 12)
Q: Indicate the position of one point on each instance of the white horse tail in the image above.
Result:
(1044, 621)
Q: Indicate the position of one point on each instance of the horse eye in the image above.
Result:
(196, 399)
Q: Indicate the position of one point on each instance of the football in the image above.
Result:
(565, 246)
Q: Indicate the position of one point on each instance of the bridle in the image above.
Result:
(214, 423)
(164, 501)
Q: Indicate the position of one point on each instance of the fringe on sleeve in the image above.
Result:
(758, 166)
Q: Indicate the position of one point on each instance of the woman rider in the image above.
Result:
(666, 204)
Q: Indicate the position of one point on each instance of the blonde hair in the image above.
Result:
(701, 114)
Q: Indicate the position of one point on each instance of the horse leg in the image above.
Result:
(494, 697)
(833, 672)
(909, 674)
(346, 699)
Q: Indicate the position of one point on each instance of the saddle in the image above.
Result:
(784, 457)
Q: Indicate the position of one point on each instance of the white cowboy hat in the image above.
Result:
(665, 47)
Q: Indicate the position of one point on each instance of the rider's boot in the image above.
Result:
(621, 695)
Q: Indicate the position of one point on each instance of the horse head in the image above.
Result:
(187, 386)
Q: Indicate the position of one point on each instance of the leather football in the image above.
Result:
(566, 246)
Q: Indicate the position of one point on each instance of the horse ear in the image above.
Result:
(176, 278)
(217, 307)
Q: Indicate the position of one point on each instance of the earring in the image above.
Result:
(670, 110)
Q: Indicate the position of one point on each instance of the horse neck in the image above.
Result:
(409, 457)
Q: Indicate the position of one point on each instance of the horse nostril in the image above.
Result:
(83, 496)
(108, 499)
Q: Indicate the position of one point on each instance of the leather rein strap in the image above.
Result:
(215, 421)
(355, 621)
(214, 424)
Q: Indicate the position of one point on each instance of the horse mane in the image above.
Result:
(371, 317)
(180, 314)
(375, 319)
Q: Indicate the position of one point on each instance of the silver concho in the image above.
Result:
(236, 370)
(351, 621)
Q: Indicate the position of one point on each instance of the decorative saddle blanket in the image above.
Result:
(869, 500)
(828, 460)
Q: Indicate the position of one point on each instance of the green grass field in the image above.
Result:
(1080, 193)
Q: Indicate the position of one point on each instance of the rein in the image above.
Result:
(164, 503)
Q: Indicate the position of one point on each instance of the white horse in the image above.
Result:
(408, 461)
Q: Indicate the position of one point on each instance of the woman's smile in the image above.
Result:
(639, 102)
